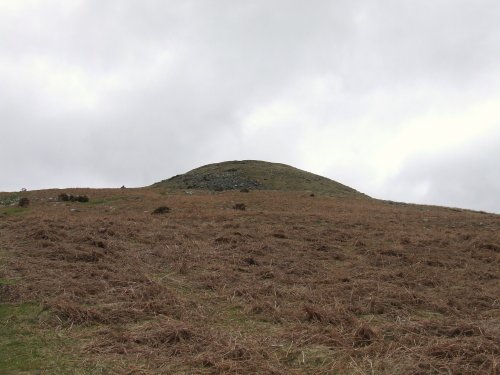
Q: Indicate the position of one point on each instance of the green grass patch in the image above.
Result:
(104, 200)
(7, 281)
(14, 211)
(25, 347)
(20, 347)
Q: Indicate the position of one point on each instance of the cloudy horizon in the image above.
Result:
(400, 101)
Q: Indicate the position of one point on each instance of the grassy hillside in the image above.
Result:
(256, 175)
(293, 284)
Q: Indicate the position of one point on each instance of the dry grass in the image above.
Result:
(292, 285)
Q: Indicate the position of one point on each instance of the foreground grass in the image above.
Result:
(29, 347)
(23, 346)
(294, 284)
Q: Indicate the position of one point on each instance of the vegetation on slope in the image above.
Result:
(258, 175)
(293, 284)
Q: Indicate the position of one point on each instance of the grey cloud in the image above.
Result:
(465, 178)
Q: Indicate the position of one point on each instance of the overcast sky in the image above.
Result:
(399, 99)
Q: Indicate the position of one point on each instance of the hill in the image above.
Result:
(255, 175)
(291, 284)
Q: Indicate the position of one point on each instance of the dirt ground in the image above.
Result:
(293, 284)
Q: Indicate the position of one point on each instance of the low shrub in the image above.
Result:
(24, 202)
(63, 197)
(240, 206)
(161, 210)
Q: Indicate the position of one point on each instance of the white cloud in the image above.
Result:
(440, 130)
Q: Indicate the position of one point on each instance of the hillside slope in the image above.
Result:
(293, 284)
(256, 175)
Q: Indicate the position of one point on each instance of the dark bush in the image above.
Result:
(240, 206)
(63, 197)
(78, 198)
(161, 210)
(24, 202)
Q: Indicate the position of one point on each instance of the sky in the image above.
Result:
(398, 99)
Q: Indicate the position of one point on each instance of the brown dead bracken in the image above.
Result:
(294, 286)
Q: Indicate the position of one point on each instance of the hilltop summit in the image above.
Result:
(255, 175)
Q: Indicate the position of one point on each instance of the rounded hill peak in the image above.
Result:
(255, 175)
